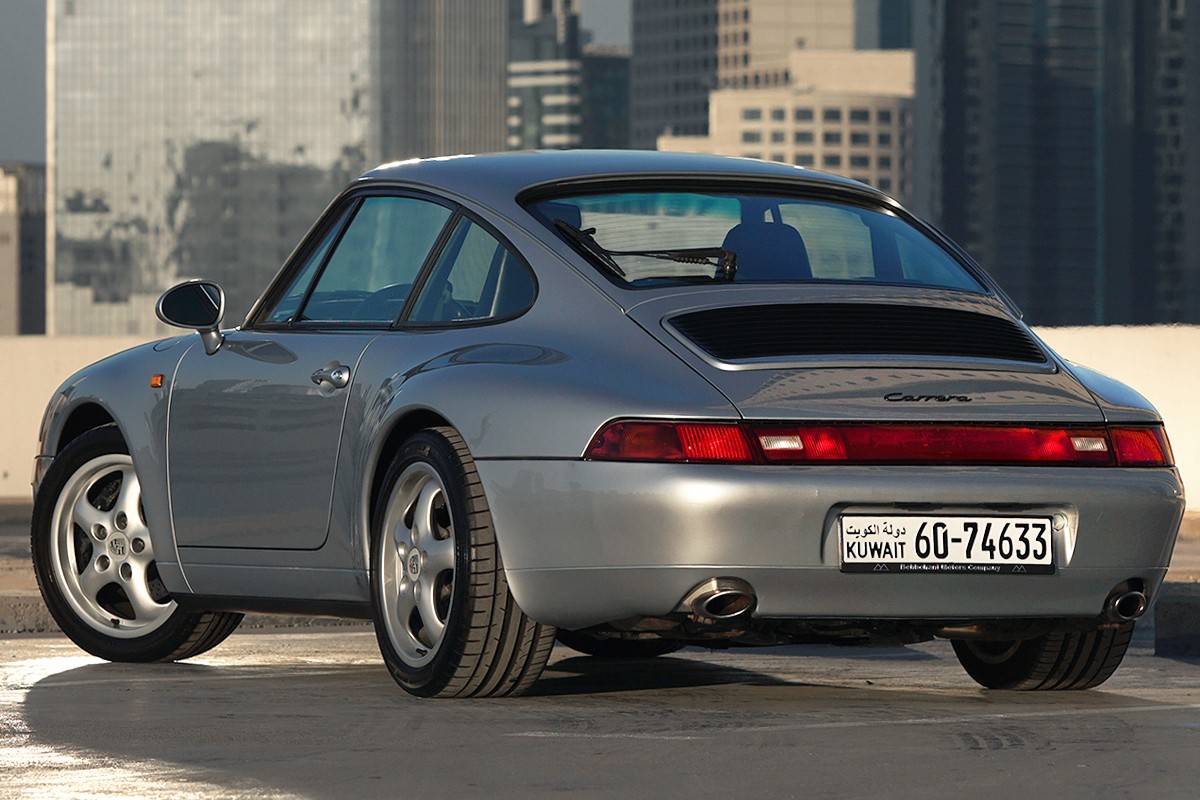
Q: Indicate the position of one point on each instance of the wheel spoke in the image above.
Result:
(144, 605)
(92, 580)
(405, 602)
(87, 516)
(427, 603)
(128, 497)
(423, 522)
(439, 555)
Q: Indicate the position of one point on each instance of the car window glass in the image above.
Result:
(475, 278)
(371, 271)
(646, 239)
(838, 242)
(287, 305)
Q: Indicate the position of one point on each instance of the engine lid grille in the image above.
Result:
(755, 332)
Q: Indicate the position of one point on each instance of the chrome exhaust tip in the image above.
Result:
(1126, 606)
(720, 599)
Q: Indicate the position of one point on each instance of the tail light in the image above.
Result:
(1142, 447)
(671, 441)
(880, 443)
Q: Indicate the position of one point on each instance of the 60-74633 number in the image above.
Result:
(911, 543)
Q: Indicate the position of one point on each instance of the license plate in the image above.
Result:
(946, 544)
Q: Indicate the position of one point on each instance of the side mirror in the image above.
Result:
(199, 305)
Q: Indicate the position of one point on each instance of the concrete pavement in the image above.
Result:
(272, 714)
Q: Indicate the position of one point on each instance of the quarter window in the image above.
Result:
(476, 278)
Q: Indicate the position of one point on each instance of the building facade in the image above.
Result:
(685, 49)
(544, 75)
(673, 68)
(604, 96)
(202, 138)
(22, 249)
(1054, 133)
(848, 112)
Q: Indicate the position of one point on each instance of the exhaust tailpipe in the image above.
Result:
(720, 599)
(1125, 606)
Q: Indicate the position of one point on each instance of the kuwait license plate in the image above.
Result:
(948, 544)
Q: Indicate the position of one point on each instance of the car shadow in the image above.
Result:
(323, 724)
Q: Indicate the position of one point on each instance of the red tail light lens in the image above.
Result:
(879, 443)
(936, 444)
(671, 441)
(1142, 447)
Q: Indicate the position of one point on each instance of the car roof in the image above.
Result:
(510, 173)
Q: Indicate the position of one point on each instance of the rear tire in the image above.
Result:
(1054, 661)
(94, 560)
(618, 648)
(446, 622)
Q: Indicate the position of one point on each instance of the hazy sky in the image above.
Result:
(23, 72)
(22, 80)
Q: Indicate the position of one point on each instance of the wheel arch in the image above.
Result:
(397, 432)
(84, 417)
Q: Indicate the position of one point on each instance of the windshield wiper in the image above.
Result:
(723, 260)
(591, 246)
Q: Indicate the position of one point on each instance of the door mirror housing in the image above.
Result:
(195, 304)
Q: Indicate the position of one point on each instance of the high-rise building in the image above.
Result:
(605, 96)
(756, 37)
(22, 249)
(844, 111)
(1190, 191)
(544, 75)
(1053, 134)
(673, 68)
(202, 138)
(685, 49)
(883, 24)
(1166, 130)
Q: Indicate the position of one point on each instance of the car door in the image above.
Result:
(254, 429)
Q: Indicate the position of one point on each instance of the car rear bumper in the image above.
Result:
(589, 542)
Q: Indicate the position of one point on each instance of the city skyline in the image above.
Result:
(1047, 137)
(23, 67)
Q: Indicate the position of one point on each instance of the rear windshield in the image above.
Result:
(650, 238)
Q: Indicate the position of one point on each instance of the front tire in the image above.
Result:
(446, 622)
(95, 564)
(1053, 661)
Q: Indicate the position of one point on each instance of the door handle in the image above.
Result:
(337, 375)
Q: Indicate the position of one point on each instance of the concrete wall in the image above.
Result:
(38, 364)
(1162, 362)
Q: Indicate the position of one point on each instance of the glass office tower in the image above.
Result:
(202, 138)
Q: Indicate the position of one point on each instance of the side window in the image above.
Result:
(285, 309)
(371, 272)
(475, 278)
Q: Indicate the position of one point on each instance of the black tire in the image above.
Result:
(617, 648)
(95, 469)
(446, 622)
(1054, 661)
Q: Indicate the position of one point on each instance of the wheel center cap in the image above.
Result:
(414, 565)
(118, 547)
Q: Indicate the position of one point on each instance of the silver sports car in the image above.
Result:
(630, 400)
